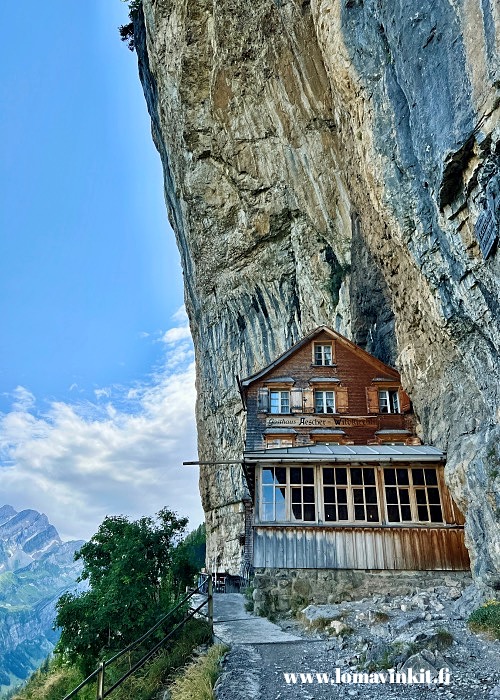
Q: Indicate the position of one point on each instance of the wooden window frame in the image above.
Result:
(412, 489)
(390, 394)
(319, 501)
(322, 345)
(288, 486)
(277, 439)
(280, 393)
(380, 485)
(324, 392)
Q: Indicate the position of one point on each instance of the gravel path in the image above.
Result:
(262, 652)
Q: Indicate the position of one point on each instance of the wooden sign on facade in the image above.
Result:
(307, 421)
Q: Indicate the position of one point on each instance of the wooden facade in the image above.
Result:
(338, 477)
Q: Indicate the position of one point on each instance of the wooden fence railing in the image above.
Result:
(98, 676)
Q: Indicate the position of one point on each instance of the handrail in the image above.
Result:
(100, 671)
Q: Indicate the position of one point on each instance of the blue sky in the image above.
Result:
(90, 280)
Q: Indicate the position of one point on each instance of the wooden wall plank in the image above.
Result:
(360, 548)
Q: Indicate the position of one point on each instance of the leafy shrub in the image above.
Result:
(486, 619)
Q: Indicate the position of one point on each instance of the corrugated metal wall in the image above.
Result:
(417, 549)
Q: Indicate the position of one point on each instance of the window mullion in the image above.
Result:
(350, 497)
(380, 485)
(319, 501)
(413, 498)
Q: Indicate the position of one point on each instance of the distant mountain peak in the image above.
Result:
(36, 567)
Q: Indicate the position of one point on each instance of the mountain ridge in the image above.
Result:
(36, 568)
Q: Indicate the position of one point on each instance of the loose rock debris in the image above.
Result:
(426, 630)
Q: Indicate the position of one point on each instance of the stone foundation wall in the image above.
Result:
(281, 590)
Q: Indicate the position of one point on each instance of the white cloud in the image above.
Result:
(82, 461)
(174, 335)
(23, 399)
(180, 316)
(102, 393)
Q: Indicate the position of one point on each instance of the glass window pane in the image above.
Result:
(420, 496)
(329, 493)
(403, 477)
(359, 512)
(296, 511)
(436, 514)
(433, 496)
(307, 475)
(341, 475)
(280, 475)
(418, 477)
(383, 401)
(404, 496)
(327, 354)
(280, 511)
(295, 475)
(309, 511)
(406, 513)
(274, 402)
(267, 511)
(430, 477)
(391, 495)
(328, 476)
(356, 477)
(267, 494)
(297, 495)
(371, 494)
(267, 476)
(390, 477)
(280, 494)
(330, 513)
(308, 494)
(423, 514)
(369, 476)
(343, 515)
(372, 513)
(341, 495)
(393, 514)
(358, 495)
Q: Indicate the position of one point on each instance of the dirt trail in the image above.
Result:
(262, 653)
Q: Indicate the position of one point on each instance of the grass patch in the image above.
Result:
(486, 619)
(380, 616)
(443, 639)
(198, 679)
(56, 679)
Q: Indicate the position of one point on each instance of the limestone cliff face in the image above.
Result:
(327, 162)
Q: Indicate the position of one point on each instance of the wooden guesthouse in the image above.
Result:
(337, 475)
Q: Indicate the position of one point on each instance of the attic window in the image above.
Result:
(388, 401)
(323, 354)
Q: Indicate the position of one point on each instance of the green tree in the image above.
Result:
(188, 558)
(128, 566)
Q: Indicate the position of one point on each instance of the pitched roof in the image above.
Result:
(307, 339)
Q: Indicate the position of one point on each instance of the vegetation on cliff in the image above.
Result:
(136, 572)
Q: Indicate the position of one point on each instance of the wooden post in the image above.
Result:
(100, 682)
(210, 601)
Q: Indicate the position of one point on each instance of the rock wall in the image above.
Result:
(281, 590)
(327, 162)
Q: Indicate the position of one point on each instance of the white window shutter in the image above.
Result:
(296, 405)
(263, 401)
